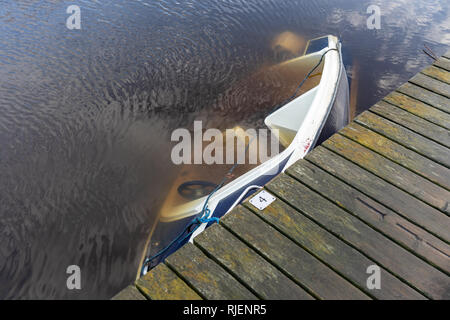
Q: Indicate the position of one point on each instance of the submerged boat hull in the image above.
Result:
(323, 111)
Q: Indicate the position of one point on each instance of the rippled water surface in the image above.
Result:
(86, 115)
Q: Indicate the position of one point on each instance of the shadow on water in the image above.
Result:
(86, 115)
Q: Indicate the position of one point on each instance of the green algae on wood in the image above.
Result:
(392, 197)
(432, 84)
(405, 137)
(379, 217)
(437, 73)
(352, 230)
(419, 109)
(306, 270)
(344, 259)
(395, 174)
(245, 264)
(395, 152)
(412, 122)
(212, 281)
(161, 283)
(129, 293)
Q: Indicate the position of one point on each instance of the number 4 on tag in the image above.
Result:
(262, 200)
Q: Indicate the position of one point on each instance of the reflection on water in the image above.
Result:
(86, 115)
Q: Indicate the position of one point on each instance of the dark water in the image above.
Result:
(86, 115)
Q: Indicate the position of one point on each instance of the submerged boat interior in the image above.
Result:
(303, 99)
(196, 181)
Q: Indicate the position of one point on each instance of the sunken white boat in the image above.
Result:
(300, 124)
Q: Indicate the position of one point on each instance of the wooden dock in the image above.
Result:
(376, 193)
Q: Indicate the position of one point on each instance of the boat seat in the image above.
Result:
(286, 121)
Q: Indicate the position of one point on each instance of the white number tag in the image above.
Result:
(262, 200)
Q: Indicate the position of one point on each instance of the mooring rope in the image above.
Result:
(301, 83)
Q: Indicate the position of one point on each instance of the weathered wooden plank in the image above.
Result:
(412, 122)
(443, 63)
(397, 153)
(344, 259)
(401, 202)
(129, 293)
(405, 137)
(431, 84)
(433, 99)
(373, 213)
(387, 253)
(289, 257)
(447, 54)
(419, 108)
(437, 73)
(203, 274)
(404, 179)
(245, 264)
(161, 283)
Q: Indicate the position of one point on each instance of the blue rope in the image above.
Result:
(197, 221)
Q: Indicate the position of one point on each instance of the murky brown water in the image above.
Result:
(86, 115)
